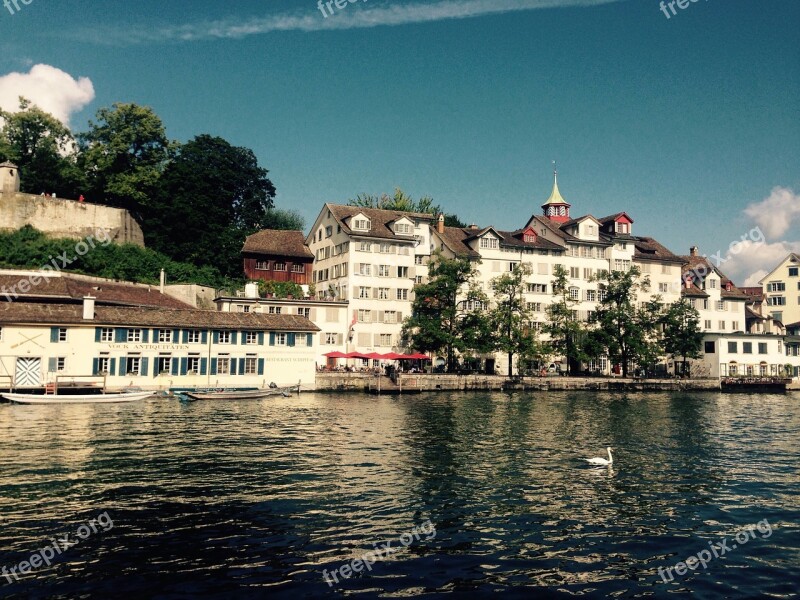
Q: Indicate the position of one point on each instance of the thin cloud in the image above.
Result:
(358, 16)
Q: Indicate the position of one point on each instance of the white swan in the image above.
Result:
(602, 461)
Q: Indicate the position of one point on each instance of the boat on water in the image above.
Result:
(75, 398)
(240, 394)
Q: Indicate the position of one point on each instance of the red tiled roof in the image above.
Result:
(274, 242)
(692, 263)
(380, 220)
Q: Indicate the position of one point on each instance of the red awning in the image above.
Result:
(336, 354)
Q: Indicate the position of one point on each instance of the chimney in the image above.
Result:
(473, 227)
(88, 308)
(163, 281)
(693, 251)
(440, 223)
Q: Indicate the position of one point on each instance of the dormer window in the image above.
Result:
(529, 238)
(402, 228)
(623, 228)
(490, 243)
(361, 224)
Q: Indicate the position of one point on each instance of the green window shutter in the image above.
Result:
(176, 336)
(123, 366)
(260, 338)
(54, 334)
(97, 333)
(184, 365)
(175, 365)
(145, 335)
(203, 366)
(290, 339)
(271, 338)
(204, 338)
(95, 366)
(143, 370)
(309, 339)
(185, 336)
(120, 335)
(243, 339)
(112, 366)
(260, 366)
(52, 365)
(216, 337)
(156, 335)
(233, 337)
(214, 365)
(233, 366)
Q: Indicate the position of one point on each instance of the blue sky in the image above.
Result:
(682, 122)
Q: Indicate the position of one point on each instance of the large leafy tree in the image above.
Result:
(564, 329)
(621, 328)
(510, 316)
(402, 201)
(124, 153)
(209, 198)
(682, 334)
(446, 310)
(44, 150)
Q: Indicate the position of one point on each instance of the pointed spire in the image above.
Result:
(555, 196)
(556, 208)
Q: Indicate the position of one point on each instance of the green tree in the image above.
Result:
(650, 317)
(682, 334)
(563, 327)
(443, 307)
(277, 218)
(209, 198)
(280, 289)
(124, 153)
(620, 326)
(44, 150)
(510, 316)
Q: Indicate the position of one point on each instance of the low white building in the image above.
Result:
(741, 354)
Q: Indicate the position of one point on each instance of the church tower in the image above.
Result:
(9, 178)
(556, 208)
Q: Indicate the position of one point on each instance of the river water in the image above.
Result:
(476, 492)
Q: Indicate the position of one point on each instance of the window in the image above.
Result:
(61, 335)
(663, 287)
(61, 364)
(512, 266)
(223, 365)
(402, 228)
(529, 238)
(330, 339)
(622, 265)
(385, 248)
(280, 266)
(418, 279)
(574, 273)
(419, 260)
(262, 265)
(304, 312)
(103, 364)
(246, 308)
(300, 339)
(328, 231)
(164, 336)
(722, 325)
(385, 339)
(587, 274)
(534, 306)
(762, 347)
(164, 365)
(402, 272)
(280, 339)
(224, 337)
(250, 365)
(574, 293)
(721, 305)
(747, 347)
(665, 270)
(537, 288)
(490, 243)
(390, 316)
(383, 293)
(793, 271)
(776, 286)
(623, 228)
(402, 294)
(361, 224)
(134, 335)
(365, 246)
(275, 310)
(591, 296)
(364, 269)
(733, 347)
(709, 348)
(106, 334)
(602, 293)
(712, 284)
(251, 337)
(193, 363)
(364, 292)
(134, 365)
(707, 324)
(194, 336)
(383, 271)
(364, 316)
(298, 268)
(735, 325)
(705, 303)
(776, 301)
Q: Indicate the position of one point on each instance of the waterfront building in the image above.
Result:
(371, 259)
(272, 255)
(742, 354)
(781, 289)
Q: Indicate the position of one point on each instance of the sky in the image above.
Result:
(689, 122)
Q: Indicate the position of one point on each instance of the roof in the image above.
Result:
(647, 248)
(8, 164)
(277, 242)
(379, 218)
(65, 286)
(72, 314)
(515, 239)
(614, 217)
(749, 313)
(453, 238)
(555, 195)
(792, 257)
(694, 263)
(756, 293)
(577, 220)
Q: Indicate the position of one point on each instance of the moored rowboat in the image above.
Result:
(240, 395)
(75, 399)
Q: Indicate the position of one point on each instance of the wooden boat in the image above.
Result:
(75, 399)
(240, 395)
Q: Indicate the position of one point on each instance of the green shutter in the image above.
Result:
(260, 338)
(214, 365)
(54, 334)
(184, 365)
(309, 339)
(260, 366)
(98, 331)
(271, 338)
(112, 366)
(95, 366)
(204, 337)
(123, 366)
(233, 337)
(156, 335)
(243, 339)
(176, 336)
(120, 335)
(52, 365)
(290, 339)
(216, 337)
(233, 366)
(175, 365)
(144, 364)
(185, 336)
(203, 365)
(145, 335)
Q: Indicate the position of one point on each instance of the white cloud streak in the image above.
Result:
(358, 16)
(49, 88)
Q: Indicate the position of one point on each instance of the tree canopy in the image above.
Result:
(402, 201)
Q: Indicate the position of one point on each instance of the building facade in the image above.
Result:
(280, 256)
(781, 289)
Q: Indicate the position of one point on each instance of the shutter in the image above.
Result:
(184, 365)
(156, 335)
(215, 337)
(52, 365)
(290, 339)
(374, 293)
(145, 335)
(112, 366)
(214, 365)
(204, 337)
(399, 316)
(185, 336)
(309, 340)
(176, 336)
(175, 366)
(233, 337)
(98, 331)
(144, 365)
(340, 338)
(233, 366)
(203, 365)
(120, 335)
(123, 366)
(376, 339)
(312, 314)
(380, 316)
(95, 366)
(243, 338)
(260, 338)
(271, 338)
(355, 291)
(260, 366)
(54, 334)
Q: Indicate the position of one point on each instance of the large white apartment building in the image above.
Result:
(370, 258)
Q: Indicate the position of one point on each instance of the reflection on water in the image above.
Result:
(259, 497)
